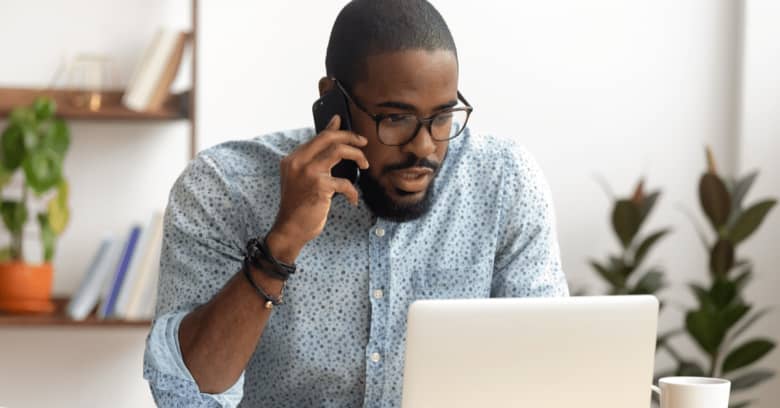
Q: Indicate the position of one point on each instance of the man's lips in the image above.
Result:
(412, 180)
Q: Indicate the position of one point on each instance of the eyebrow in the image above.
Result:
(412, 108)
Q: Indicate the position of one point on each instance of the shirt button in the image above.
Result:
(375, 357)
(380, 232)
(378, 294)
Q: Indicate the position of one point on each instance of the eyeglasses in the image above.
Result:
(398, 129)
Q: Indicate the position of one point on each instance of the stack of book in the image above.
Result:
(151, 81)
(121, 279)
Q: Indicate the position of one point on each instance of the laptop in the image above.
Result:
(587, 352)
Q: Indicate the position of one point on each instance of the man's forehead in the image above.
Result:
(410, 75)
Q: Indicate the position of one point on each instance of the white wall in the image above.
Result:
(119, 173)
(608, 86)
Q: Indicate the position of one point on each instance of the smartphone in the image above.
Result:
(332, 103)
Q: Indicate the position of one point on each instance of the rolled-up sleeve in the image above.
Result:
(527, 262)
(201, 250)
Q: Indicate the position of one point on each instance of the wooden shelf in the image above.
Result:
(59, 319)
(175, 107)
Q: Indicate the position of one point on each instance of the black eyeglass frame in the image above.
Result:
(378, 118)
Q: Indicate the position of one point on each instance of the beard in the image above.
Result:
(383, 206)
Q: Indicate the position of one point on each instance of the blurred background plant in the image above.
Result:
(621, 271)
(723, 315)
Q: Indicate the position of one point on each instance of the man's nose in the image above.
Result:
(422, 144)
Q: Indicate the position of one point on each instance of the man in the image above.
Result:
(438, 213)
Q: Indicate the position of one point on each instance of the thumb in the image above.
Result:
(335, 123)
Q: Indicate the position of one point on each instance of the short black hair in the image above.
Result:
(365, 28)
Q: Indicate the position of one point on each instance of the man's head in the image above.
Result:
(395, 57)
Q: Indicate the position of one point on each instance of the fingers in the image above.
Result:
(343, 186)
(330, 135)
(338, 152)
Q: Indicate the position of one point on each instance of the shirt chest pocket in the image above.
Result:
(463, 282)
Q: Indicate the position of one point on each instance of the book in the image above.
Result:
(139, 269)
(155, 71)
(106, 309)
(144, 306)
(88, 293)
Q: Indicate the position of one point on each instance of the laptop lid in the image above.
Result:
(530, 352)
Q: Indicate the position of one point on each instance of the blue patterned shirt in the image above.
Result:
(338, 340)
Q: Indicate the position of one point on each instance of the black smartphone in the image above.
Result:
(332, 103)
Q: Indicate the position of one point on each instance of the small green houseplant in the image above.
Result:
(32, 150)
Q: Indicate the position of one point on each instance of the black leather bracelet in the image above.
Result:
(270, 300)
(260, 257)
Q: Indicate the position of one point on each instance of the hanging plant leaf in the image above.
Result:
(56, 136)
(721, 258)
(732, 314)
(749, 220)
(715, 199)
(44, 108)
(747, 354)
(63, 192)
(14, 215)
(751, 379)
(42, 168)
(646, 244)
(625, 221)
(48, 238)
(58, 215)
(13, 147)
(723, 292)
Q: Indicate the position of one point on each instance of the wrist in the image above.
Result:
(282, 247)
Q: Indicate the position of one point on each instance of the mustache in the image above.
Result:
(409, 162)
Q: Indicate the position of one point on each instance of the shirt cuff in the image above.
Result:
(168, 376)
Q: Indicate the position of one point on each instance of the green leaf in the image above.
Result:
(750, 220)
(58, 215)
(43, 170)
(689, 369)
(703, 296)
(751, 379)
(742, 404)
(747, 354)
(649, 283)
(705, 329)
(721, 258)
(13, 147)
(5, 175)
(732, 314)
(610, 276)
(647, 205)
(56, 136)
(625, 221)
(48, 238)
(749, 322)
(14, 215)
(646, 244)
(744, 278)
(715, 199)
(44, 108)
(741, 188)
(723, 292)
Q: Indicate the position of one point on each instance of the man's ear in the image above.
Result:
(326, 84)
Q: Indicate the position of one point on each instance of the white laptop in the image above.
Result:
(584, 352)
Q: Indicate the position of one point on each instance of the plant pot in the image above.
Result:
(25, 288)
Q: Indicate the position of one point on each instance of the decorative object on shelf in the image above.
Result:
(722, 316)
(32, 147)
(619, 270)
(90, 76)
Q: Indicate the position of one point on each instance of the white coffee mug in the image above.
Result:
(693, 392)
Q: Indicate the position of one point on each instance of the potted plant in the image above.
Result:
(717, 325)
(32, 150)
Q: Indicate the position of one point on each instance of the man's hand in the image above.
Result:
(307, 188)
